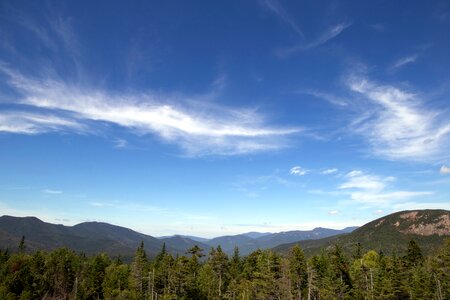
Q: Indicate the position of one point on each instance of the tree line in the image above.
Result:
(263, 274)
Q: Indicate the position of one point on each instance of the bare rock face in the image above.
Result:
(409, 215)
(422, 226)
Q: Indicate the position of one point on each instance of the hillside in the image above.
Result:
(89, 237)
(389, 234)
(251, 241)
(183, 243)
(95, 237)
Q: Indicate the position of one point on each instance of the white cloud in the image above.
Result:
(444, 170)
(52, 192)
(398, 125)
(34, 123)
(199, 129)
(333, 212)
(387, 198)
(333, 99)
(404, 61)
(101, 204)
(330, 171)
(373, 189)
(275, 7)
(354, 173)
(422, 205)
(329, 34)
(358, 180)
(379, 211)
(120, 143)
(298, 171)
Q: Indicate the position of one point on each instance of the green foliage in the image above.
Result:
(64, 274)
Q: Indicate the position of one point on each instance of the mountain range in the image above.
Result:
(94, 237)
(387, 234)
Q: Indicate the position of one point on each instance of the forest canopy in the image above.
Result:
(263, 274)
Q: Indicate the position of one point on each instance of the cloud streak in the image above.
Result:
(358, 180)
(373, 190)
(52, 192)
(35, 123)
(326, 36)
(198, 129)
(404, 61)
(330, 171)
(398, 125)
(276, 8)
(298, 171)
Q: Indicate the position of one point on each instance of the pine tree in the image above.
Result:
(298, 272)
(414, 255)
(138, 271)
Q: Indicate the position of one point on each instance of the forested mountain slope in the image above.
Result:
(388, 234)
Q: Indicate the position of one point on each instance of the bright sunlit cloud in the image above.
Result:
(400, 126)
(199, 130)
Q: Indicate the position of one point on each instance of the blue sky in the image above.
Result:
(221, 117)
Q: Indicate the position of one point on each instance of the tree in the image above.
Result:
(414, 255)
(61, 269)
(341, 272)
(138, 269)
(218, 261)
(298, 272)
(115, 283)
(22, 244)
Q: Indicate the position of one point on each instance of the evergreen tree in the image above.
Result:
(414, 255)
(340, 272)
(22, 244)
(298, 272)
(138, 271)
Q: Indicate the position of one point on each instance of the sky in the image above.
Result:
(212, 118)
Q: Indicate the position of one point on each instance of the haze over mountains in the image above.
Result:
(388, 234)
(94, 237)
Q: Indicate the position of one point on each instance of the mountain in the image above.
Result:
(183, 242)
(388, 234)
(191, 237)
(249, 242)
(95, 237)
(274, 239)
(255, 235)
(89, 237)
(229, 242)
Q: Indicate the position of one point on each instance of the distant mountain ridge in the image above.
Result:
(388, 234)
(251, 241)
(89, 237)
(94, 237)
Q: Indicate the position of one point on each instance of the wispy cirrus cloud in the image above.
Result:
(34, 123)
(196, 128)
(404, 61)
(397, 123)
(329, 171)
(298, 171)
(326, 36)
(279, 10)
(120, 144)
(387, 198)
(333, 99)
(358, 180)
(52, 192)
(376, 190)
(53, 31)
